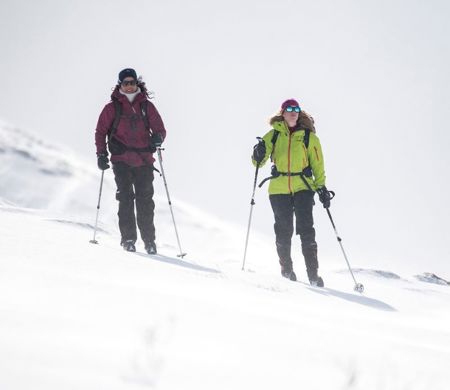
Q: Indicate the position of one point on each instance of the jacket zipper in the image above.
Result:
(289, 164)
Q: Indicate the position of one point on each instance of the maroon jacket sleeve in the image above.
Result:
(155, 121)
(103, 125)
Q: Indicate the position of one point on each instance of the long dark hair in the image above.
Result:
(141, 84)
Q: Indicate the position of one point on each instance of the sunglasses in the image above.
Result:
(293, 109)
(129, 82)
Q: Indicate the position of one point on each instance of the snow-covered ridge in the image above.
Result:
(47, 158)
(37, 174)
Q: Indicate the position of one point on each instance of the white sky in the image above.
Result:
(374, 74)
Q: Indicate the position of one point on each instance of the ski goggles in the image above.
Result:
(126, 83)
(293, 109)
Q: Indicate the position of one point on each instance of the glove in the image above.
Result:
(324, 196)
(157, 140)
(259, 151)
(102, 161)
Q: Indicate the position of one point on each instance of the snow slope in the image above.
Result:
(74, 315)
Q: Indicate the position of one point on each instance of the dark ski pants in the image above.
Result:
(135, 183)
(284, 207)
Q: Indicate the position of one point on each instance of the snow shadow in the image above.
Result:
(359, 299)
(84, 225)
(178, 262)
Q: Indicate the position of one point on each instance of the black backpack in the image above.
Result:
(114, 145)
(307, 172)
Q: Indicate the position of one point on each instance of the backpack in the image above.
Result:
(115, 146)
(307, 171)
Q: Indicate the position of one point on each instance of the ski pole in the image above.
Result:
(358, 286)
(181, 254)
(252, 203)
(94, 241)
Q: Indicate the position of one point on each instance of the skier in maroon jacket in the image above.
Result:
(133, 129)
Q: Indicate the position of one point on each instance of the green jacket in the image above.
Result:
(290, 156)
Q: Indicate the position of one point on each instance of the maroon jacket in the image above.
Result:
(131, 129)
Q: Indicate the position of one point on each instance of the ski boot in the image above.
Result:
(288, 273)
(150, 247)
(128, 245)
(314, 279)
(287, 270)
(316, 282)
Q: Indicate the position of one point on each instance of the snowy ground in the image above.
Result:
(74, 315)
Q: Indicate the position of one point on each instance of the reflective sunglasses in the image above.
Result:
(126, 83)
(292, 108)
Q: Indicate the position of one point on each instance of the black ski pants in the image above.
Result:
(135, 183)
(284, 207)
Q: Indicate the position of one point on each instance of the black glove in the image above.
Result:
(325, 196)
(157, 140)
(102, 161)
(259, 151)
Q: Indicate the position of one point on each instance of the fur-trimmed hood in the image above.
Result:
(305, 121)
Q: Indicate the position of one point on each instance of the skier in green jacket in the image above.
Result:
(297, 173)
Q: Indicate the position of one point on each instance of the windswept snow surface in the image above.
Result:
(74, 315)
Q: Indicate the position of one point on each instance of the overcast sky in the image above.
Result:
(374, 74)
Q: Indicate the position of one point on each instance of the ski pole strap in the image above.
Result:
(266, 179)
